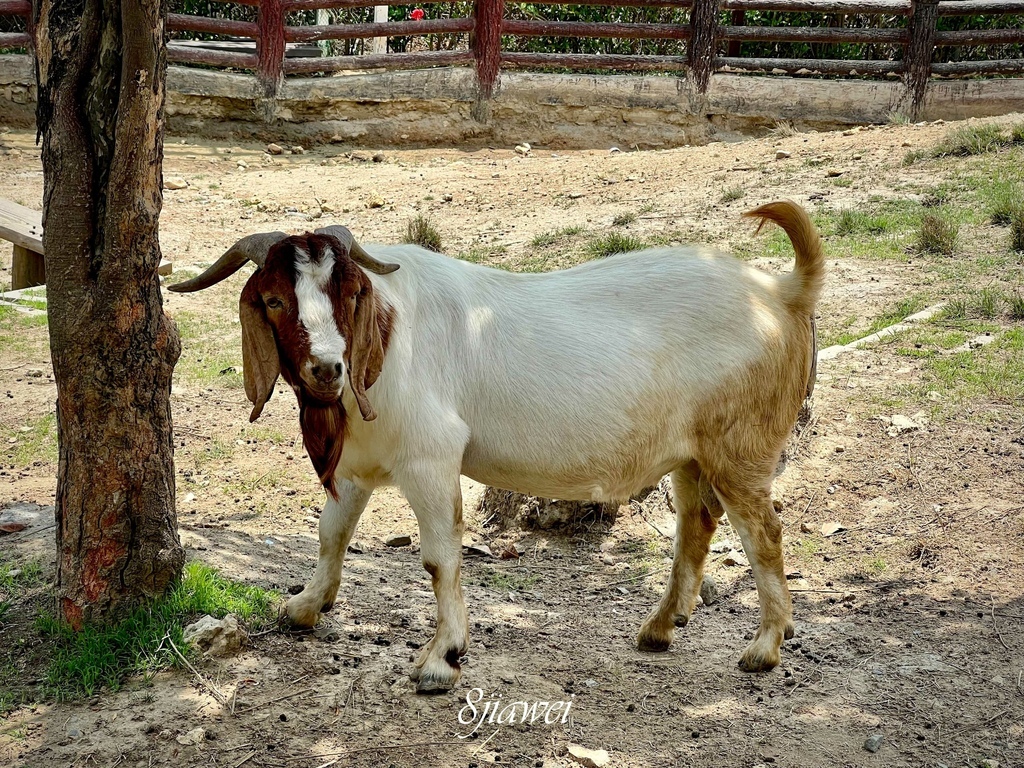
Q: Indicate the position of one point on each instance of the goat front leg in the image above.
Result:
(436, 499)
(337, 524)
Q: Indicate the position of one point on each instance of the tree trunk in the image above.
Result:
(100, 69)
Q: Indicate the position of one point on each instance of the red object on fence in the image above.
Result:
(417, 14)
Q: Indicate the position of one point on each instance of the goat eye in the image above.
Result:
(274, 303)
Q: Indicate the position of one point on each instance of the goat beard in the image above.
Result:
(323, 434)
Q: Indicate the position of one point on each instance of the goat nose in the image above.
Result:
(328, 374)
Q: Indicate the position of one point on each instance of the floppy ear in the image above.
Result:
(366, 351)
(260, 364)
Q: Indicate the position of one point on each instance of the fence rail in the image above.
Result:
(912, 31)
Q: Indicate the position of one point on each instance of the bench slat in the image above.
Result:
(22, 226)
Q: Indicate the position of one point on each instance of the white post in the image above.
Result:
(380, 15)
(323, 18)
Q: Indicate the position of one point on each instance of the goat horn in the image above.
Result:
(355, 250)
(252, 247)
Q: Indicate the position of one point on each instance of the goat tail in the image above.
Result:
(803, 285)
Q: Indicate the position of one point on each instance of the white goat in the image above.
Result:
(589, 383)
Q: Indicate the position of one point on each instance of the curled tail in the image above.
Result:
(802, 286)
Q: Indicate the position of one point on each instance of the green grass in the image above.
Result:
(546, 239)
(732, 194)
(14, 578)
(211, 354)
(612, 243)
(938, 235)
(105, 657)
(508, 580)
(1017, 230)
(421, 231)
(994, 372)
(1004, 200)
(892, 314)
(37, 443)
(967, 140)
(624, 219)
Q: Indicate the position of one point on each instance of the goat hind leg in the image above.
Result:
(695, 526)
(337, 524)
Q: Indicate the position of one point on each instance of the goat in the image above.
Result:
(589, 384)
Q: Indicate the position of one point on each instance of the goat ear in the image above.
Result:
(260, 364)
(366, 350)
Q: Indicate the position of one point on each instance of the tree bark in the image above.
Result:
(100, 70)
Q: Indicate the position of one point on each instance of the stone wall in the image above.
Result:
(439, 106)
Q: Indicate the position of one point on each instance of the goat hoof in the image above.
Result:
(652, 644)
(299, 615)
(790, 632)
(760, 657)
(436, 675)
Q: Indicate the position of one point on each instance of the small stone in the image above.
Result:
(193, 737)
(242, 163)
(375, 201)
(834, 172)
(298, 150)
(378, 157)
(523, 149)
(607, 559)
(900, 424)
(735, 558)
(575, 195)
(708, 589)
(591, 758)
(806, 528)
(14, 573)
(398, 540)
(447, 197)
(781, 154)
(873, 743)
(831, 529)
(74, 733)
(356, 547)
(989, 762)
(614, 151)
(907, 144)
(175, 183)
(34, 373)
(721, 546)
(216, 637)
(275, 149)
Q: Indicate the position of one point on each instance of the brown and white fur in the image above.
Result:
(589, 383)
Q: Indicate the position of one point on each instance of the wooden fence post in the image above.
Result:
(487, 52)
(270, 55)
(703, 33)
(917, 57)
(739, 19)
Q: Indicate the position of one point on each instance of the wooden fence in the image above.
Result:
(710, 45)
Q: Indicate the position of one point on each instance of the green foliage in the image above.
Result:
(612, 243)
(624, 219)
(1017, 230)
(421, 231)
(968, 140)
(104, 657)
(938, 235)
(733, 193)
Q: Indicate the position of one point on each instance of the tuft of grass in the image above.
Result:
(783, 129)
(852, 222)
(1015, 303)
(972, 140)
(1017, 230)
(987, 303)
(1005, 200)
(913, 156)
(544, 239)
(898, 118)
(1017, 133)
(891, 315)
(104, 657)
(624, 219)
(421, 231)
(508, 580)
(938, 235)
(733, 193)
(38, 442)
(612, 243)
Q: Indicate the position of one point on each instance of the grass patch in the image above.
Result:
(612, 243)
(105, 657)
(421, 231)
(938, 235)
(994, 372)
(15, 578)
(545, 239)
(1015, 302)
(1017, 230)
(893, 314)
(733, 193)
(34, 441)
(508, 580)
(969, 140)
(211, 355)
(624, 219)
(1005, 200)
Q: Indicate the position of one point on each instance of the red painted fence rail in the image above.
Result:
(262, 46)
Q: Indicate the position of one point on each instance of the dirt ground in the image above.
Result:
(910, 620)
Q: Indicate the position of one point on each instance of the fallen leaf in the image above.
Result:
(831, 529)
(12, 527)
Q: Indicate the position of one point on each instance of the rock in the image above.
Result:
(592, 758)
(574, 195)
(74, 733)
(614, 151)
(708, 590)
(721, 546)
(447, 197)
(907, 144)
(899, 424)
(275, 149)
(242, 163)
(356, 547)
(873, 743)
(378, 157)
(834, 172)
(607, 559)
(375, 201)
(298, 150)
(735, 558)
(398, 540)
(840, 449)
(989, 762)
(831, 529)
(34, 373)
(175, 183)
(216, 637)
(14, 573)
(193, 737)
(523, 149)
(781, 154)
(805, 528)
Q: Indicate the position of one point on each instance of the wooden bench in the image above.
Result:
(24, 227)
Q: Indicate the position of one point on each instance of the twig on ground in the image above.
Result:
(388, 748)
(214, 691)
(245, 759)
(995, 626)
(274, 701)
